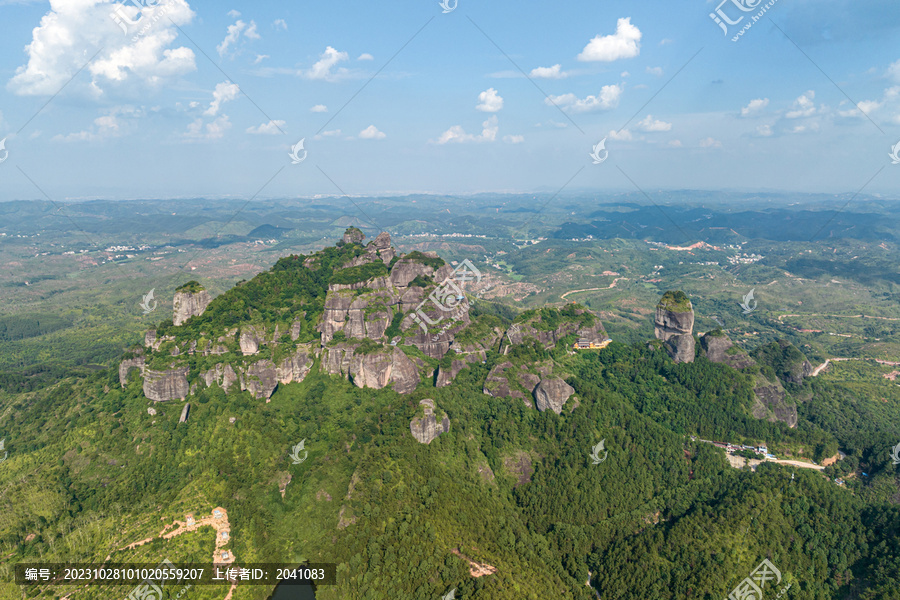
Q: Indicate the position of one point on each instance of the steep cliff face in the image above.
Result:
(426, 428)
(189, 302)
(171, 384)
(674, 325)
(581, 322)
(772, 402)
(126, 366)
(372, 369)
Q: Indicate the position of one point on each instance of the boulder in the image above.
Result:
(251, 339)
(426, 428)
(260, 379)
(720, 349)
(404, 374)
(189, 304)
(371, 370)
(184, 413)
(171, 384)
(552, 394)
(221, 375)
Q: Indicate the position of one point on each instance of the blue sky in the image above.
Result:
(202, 98)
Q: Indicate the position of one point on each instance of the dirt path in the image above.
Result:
(825, 364)
(609, 287)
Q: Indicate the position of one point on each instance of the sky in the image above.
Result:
(185, 98)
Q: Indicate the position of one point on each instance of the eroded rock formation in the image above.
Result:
(552, 394)
(674, 326)
(187, 304)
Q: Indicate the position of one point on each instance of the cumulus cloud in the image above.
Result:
(234, 33)
(322, 69)
(224, 92)
(489, 101)
(371, 133)
(319, 108)
(675, 144)
(279, 24)
(764, 131)
(803, 106)
(513, 139)
(655, 71)
(260, 58)
(623, 135)
(624, 43)
(893, 71)
(458, 135)
(198, 130)
(607, 99)
(754, 107)
(365, 56)
(554, 72)
(270, 128)
(106, 126)
(72, 29)
(649, 124)
(710, 143)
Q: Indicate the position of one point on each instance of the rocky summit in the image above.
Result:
(377, 317)
(674, 325)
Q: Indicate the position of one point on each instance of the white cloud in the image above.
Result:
(893, 71)
(331, 133)
(803, 106)
(489, 101)
(260, 58)
(675, 144)
(655, 71)
(764, 130)
(106, 126)
(710, 143)
(234, 14)
(650, 125)
(624, 135)
(279, 24)
(208, 131)
(457, 133)
(606, 100)
(754, 107)
(365, 56)
(554, 72)
(665, 41)
(513, 139)
(71, 31)
(224, 92)
(319, 108)
(625, 74)
(233, 34)
(371, 133)
(624, 43)
(322, 68)
(270, 128)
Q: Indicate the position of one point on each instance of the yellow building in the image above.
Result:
(586, 345)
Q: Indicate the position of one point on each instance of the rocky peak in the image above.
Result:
(190, 301)
(552, 394)
(674, 325)
(353, 236)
